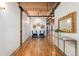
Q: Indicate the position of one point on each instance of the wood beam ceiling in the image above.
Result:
(19, 4)
(40, 10)
(54, 8)
(52, 12)
(32, 8)
(40, 16)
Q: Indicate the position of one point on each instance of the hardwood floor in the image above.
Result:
(39, 47)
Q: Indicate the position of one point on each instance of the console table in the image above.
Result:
(64, 39)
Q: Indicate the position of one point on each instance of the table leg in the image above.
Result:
(75, 48)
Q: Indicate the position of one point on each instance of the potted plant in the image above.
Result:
(57, 30)
(57, 34)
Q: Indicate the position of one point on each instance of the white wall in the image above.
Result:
(26, 27)
(35, 20)
(10, 28)
(63, 9)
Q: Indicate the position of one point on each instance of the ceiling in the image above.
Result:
(40, 9)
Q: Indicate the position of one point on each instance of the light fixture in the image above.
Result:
(2, 6)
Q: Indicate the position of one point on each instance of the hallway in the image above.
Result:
(39, 47)
(39, 29)
(39, 23)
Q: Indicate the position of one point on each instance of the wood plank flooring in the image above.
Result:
(39, 47)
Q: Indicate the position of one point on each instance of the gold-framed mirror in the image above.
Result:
(68, 23)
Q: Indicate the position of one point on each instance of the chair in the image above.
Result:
(41, 35)
(34, 34)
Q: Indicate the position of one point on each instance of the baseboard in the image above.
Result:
(15, 52)
(60, 51)
(19, 48)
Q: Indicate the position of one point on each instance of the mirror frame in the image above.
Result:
(73, 18)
